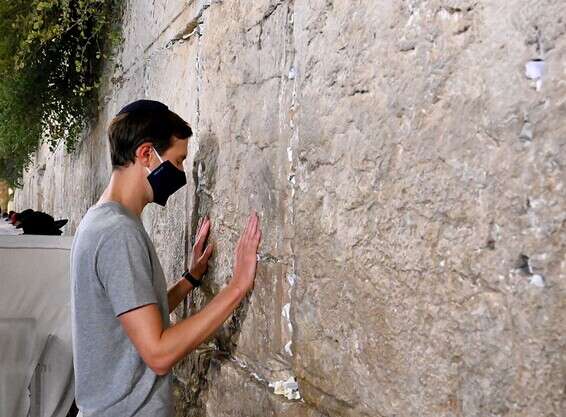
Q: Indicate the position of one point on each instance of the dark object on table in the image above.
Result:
(20, 217)
(39, 223)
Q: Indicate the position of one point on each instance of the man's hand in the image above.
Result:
(199, 264)
(245, 257)
(200, 256)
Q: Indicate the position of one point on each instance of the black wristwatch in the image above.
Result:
(189, 277)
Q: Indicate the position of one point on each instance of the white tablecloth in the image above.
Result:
(7, 228)
(35, 328)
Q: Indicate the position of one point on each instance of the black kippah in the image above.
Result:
(145, 106)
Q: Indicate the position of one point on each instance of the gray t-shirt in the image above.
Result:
(114, 269)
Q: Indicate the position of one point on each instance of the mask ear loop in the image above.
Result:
(154, 150)
(161, 160)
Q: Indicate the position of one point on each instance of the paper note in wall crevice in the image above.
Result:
(534, 70)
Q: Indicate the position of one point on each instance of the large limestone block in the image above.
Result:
(412, 209)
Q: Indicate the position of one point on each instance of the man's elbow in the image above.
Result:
(161, 371)
(156, 360)
(159, 365)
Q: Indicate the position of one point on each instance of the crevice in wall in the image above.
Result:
(192, 373)
(286, 386)
(291, 275)
(204, 179)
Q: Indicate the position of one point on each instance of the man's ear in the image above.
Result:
(144, 154)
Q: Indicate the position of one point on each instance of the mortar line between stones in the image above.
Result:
(292, 161)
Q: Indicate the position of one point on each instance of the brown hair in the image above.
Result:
(129, 130)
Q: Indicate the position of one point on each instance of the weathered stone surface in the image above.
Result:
(247, 397)
(410, 183)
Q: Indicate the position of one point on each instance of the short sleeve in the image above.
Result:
(124, 269)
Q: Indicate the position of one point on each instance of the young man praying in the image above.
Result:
(123, 344)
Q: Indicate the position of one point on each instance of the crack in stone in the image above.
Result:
(256, 82)
(270, 10)
(192, 27)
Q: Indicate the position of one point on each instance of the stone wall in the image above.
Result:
(410, 182)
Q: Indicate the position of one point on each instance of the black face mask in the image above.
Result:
(165, 180)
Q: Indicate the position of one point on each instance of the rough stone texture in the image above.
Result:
(410, 182)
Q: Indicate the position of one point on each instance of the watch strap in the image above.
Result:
(189, 277)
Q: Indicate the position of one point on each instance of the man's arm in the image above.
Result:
(177, 293)
(161, 348)
(199, 264)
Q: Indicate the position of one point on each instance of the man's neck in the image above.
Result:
(125, 188)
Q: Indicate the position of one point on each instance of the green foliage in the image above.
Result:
(51, 55)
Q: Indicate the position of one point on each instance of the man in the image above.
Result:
(123, 346)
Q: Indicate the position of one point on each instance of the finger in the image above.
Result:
(246, 230)
(252, 222)
(202, 234)
(195, 236)
(209, 250)
(199, 225)
(205, 228)
(204, 223)
(207, 253)
(238, 248)
(255, 242)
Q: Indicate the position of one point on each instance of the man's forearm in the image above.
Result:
(185, 336)
(177, 293)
